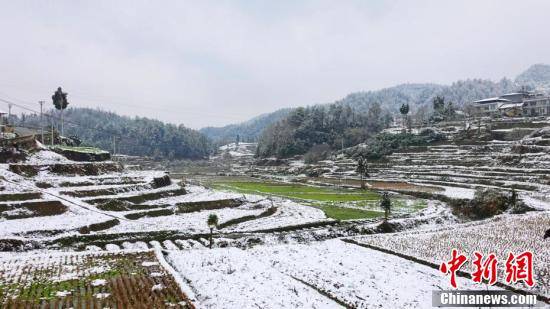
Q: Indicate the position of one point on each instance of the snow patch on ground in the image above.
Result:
(47, 157)
(232, 278)
(273, 276)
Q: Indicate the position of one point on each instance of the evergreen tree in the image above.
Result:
(212, 223)
(362, 170)
(439, 104)
(385, 204)
(59, 99)
(404, 110)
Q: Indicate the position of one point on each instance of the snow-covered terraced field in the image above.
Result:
(133, 202)
(194, 222)
(88, 280)
(232, 278)
(288, 261)
(288, 213)
(500, 235)
(326, 274)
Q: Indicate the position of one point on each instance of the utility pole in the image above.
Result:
(9, 112)
(41, 122)
(62, 132)
(114, 146)
(342, 140)
(51, 117)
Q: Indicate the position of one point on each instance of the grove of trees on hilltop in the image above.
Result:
(334, 125)
(419, 95)
(133, 136)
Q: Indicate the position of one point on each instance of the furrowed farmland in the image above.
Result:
(88, 280)
(241, 232)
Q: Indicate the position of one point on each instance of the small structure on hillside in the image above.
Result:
(516, 104)
(6, 131)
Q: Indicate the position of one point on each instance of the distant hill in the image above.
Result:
(134, 136)
(416, 95)
(390, 99)
(537, 76)
(248, 131)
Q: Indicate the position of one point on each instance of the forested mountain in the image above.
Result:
(350, 118)
(248, 131)
(290, 131)
(134, 136)
(333, 126)
(416, 95)
(537, 77)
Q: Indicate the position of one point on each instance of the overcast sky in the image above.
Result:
(203, 63)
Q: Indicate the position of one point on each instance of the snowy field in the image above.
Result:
(240, 150)
(502, 234)
(83, 197)
(326, 274)
(292, 270)
(194, 222)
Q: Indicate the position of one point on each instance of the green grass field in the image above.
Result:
(301, 192)
(331, 200)
(343, 213)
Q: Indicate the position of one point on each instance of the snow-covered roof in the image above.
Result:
(510, 105)
(491, 100)
(513, 93)
(537, 99)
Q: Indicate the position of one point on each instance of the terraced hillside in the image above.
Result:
(104, 204)
(136, 238)
(504, 154)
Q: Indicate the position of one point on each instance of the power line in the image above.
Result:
(142, 106)
(116, 101)
(55, 117)
(41, 120)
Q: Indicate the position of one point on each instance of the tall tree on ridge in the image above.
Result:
(404, 110)
(60, 102)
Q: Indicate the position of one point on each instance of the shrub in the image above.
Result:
(489, 202)
(385, 144)
(317, 153)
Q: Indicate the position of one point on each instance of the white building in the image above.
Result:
(514, 104)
